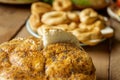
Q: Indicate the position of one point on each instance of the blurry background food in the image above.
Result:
(48, 1)
(80, 4)
(87, 25)
(96, 4)
(118, 3)
(114, 12)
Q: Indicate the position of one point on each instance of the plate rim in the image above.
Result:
(112, 14)
(30, 30)
(37, 36)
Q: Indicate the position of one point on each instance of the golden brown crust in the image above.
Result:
(54, 18)
(35, 22)
(62, 5)
(21, 59)
(40, 8)
(64, 60)
(27, 59)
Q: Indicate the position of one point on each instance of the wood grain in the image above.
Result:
(11, 20)
(100, 56)
(116, 25)
(115, 52)
(115, 61)
(23, 33)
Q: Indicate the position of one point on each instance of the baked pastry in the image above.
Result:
(62, 5)
(88, 16)
(87, 25)
(37, 10)
(40, 8)
(28, 59)
(35, 22)
(54, 18)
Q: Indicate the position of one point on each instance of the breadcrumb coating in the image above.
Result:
(27, 59)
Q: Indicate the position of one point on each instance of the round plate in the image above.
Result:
(112, 13)
(30, 30)
(37, 36)
(17, 2)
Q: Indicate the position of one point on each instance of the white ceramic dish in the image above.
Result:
(112, 14)
(37, 36)
(31, 31)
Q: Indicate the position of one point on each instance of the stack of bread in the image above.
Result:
(49, 58)
(87, 25)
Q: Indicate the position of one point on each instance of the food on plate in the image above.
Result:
(107, 32)
(54, 18)
(114, 11)
(37, 10)
(62, 5)
(85, 28)
(64, 27)
(32, 59)
(118, 12)
(89, 27)
(73, 25)
(40, 8)
(86, 24)
(87, 36)
(100, 24)
(72, 16)
(88, 16)
(35, 21)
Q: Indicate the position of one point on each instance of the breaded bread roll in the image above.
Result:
(29, 59)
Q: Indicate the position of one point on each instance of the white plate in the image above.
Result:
(30, 30)
(112, 14)
(37, 36)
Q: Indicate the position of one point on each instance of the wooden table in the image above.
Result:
(105, 57)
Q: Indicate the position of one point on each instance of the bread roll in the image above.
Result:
(28, 59)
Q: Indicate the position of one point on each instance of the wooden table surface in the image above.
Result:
(105, 55)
